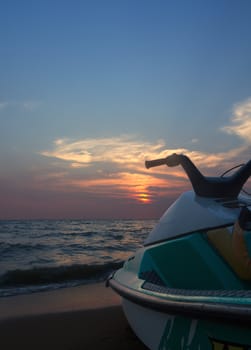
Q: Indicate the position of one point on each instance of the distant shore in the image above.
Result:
(78, 318)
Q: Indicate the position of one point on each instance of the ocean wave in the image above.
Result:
(47, 254)
(47, 275)
(15, 247)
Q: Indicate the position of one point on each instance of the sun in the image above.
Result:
(144, 198)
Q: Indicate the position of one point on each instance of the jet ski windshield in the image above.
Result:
(210, 187)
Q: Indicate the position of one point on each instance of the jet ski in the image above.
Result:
(189, 285)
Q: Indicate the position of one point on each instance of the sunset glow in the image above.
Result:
(87, 98)
(144, 197)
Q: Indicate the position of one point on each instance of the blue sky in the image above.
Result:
(90, 89)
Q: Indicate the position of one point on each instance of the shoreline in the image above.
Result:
(87, 296)
(75, 318)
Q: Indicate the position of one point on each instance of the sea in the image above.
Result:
(39, 255)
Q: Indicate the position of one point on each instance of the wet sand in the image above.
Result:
(85, 317)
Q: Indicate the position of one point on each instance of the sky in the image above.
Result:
(91, 89)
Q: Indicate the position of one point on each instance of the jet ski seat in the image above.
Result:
(234, 244)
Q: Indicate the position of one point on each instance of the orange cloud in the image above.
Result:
(120, 150)
(123, 185)
(114, 167)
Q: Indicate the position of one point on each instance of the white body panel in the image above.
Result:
(190, 213)
(150, 327)
(147, 324)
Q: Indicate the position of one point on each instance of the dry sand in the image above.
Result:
(85, 317)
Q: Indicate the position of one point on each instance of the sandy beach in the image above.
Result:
(84, 317)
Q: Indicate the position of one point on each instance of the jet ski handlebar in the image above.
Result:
(217, 187)
(155, 162)
(171, 160)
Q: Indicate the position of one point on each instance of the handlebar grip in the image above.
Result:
(172, 160)
(156, 162)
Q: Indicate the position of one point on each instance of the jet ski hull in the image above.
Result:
(192, 302)
(167, 321)
(189, 286)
